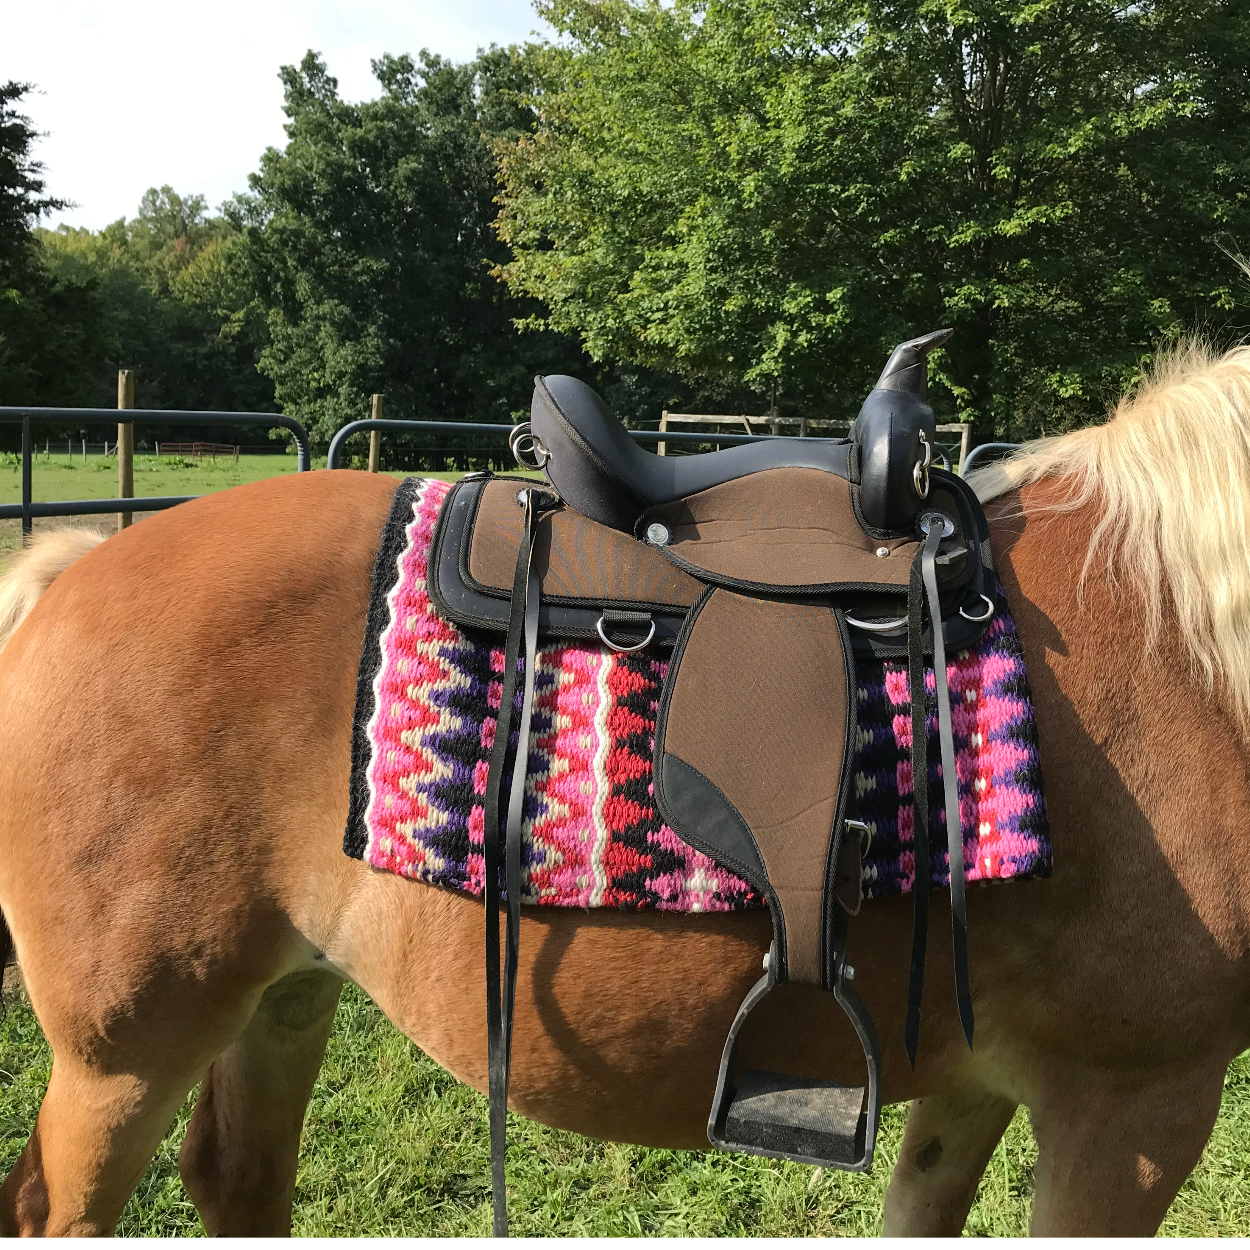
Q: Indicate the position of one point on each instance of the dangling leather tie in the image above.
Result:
(920, 799)
(923, 588)
(501, 997)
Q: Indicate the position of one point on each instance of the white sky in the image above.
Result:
(137, 93)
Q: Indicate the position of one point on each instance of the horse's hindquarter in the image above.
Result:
(174, 757)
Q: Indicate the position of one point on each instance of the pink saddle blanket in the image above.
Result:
(428, 694)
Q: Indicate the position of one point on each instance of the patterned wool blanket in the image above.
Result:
(428, 694)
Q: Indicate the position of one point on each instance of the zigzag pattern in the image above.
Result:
(592, 834)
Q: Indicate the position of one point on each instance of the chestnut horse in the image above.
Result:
(183, 912)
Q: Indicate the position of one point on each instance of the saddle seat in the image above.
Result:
(598, 469)
(608, 477)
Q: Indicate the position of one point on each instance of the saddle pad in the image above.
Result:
(428, 694)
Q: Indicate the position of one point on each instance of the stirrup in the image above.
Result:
(797, 1117)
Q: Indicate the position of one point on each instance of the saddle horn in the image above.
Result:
(890, 435)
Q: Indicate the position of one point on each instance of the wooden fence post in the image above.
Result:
(375, 438)
(125, 445)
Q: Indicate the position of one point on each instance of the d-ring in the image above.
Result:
(877, 627)
(920, 471)
(616, 646)
(524, 442)
(985, 616)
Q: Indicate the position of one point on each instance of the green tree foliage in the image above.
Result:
(774, 192)
(163, 293)
(370, 247)
(29, 300)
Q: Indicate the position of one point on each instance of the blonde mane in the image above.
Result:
(1171, 470)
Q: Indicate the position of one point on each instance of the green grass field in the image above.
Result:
(59, 477)
(393, 1145)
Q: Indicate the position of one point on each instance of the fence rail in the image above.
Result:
(986, 449)
(28, 509)
(197, 451)
(335, 457)
(28, 418)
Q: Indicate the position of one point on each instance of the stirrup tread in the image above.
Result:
(796, 1117)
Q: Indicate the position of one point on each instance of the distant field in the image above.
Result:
(59, 477)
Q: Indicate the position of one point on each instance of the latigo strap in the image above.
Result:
(501, 999)
(922, 593)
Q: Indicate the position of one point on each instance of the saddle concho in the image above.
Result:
(767, 568)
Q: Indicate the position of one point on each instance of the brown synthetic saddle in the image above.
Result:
(766, 569)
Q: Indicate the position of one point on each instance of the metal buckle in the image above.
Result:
(864, 831)
(929, 519)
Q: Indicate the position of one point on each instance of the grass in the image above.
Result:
(59, 477)
(394, 1146)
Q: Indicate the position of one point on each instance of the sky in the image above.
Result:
(139, 93)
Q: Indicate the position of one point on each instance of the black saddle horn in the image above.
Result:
(890, 433)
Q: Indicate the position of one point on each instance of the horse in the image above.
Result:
(186, 913)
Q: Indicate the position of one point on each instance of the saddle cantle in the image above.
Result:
(766, 569)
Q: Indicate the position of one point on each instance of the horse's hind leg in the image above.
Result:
(948, 1141)
(239, 1158)
(1111, 1156)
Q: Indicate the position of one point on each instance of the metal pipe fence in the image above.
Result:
(29, 509)
(986, 449)
(334, 459)
(27, 418)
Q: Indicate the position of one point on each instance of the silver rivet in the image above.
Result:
(882, 552)
(657, 534)
(848, 972)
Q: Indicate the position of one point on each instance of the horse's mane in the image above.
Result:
(1171, 470)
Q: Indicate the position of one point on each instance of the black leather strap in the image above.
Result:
(501, 993)
(919, 791)
(950, 782)
(516, 805)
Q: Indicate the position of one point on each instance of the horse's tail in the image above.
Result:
(32, 571)
(29, 574)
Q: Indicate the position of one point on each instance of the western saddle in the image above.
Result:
(765, 569)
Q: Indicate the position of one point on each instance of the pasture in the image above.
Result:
(393, 1145)
(58, 477)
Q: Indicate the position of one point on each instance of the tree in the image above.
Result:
(369, 245)
(164, 293)
(27, 297)
(774, 192)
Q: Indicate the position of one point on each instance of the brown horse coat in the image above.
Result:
(174, 752)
